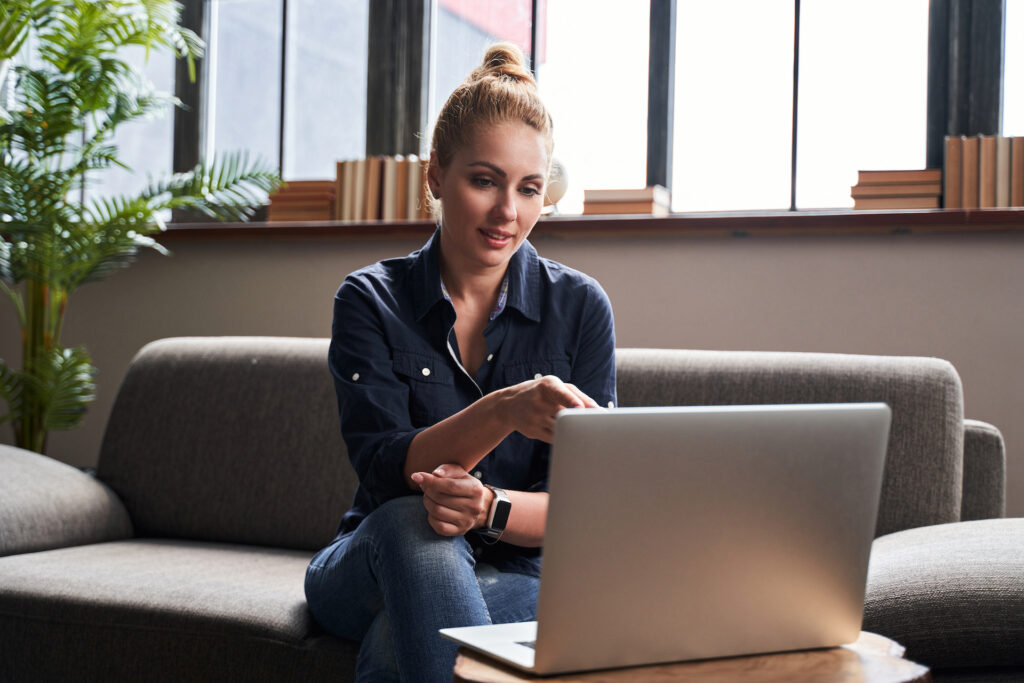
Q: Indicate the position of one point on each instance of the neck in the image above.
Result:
(464, 282)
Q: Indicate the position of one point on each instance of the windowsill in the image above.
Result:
(711, 224)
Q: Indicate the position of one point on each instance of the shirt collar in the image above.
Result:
(523, 276)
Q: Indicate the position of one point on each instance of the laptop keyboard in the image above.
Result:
(526, 643)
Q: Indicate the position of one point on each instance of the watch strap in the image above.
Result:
(497, 519)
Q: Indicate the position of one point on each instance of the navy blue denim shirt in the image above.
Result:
(394, 353)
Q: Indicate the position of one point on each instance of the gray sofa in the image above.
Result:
(222, 470)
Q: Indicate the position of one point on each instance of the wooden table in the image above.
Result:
(871, 659)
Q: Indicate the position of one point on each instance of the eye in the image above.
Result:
(530, 191)
(482, 181)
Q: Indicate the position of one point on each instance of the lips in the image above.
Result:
(496, 237)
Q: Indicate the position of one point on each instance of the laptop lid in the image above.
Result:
(693, 532)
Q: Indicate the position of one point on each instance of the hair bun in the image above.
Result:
(504, 60)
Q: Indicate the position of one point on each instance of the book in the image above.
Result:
(359, 200)
(1002, 171)
(414, 187)
(921, 202)
(339, 179)
(373, 169)
(388, 188)
(1017, 171)
(350, 190)
(634, 207)
(895, 189)
(986, 171)
(924, 175)
(969, 173)
(402, 189)
(651, 193)
(952, 162)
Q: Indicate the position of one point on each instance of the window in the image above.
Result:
(863, 94)
(594, 81)
(1013, 69)
(465, 29)
(734, 105)
(244, 78)
(325, 86)
(143, 145)
(862, 88)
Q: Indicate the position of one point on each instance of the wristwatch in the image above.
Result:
(498, 517)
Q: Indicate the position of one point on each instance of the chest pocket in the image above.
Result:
(432, 395)
(514, 373)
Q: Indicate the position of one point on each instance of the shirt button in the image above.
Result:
(478, 474)
(538, 376)
(490, 356)
(355, 376)
(426, 372)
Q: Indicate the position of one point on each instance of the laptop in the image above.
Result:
(681, 533)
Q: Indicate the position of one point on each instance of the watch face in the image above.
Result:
(503, 507)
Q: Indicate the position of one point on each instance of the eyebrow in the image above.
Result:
(487, 164)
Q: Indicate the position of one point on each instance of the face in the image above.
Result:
(492, 193)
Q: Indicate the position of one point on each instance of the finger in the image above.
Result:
(445, 528)
(436, 487)
(441, 516)
(560, 394)
(450, 471)
(587, 401)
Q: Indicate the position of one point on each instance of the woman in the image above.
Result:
(450, 365)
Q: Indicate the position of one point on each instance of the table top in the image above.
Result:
(871, 659)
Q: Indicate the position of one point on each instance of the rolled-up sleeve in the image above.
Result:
(593, 369)
(373, 403)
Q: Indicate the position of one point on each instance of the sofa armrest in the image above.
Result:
(46, 504)
(984, 493)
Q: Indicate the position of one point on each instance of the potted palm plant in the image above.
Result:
(66, 86)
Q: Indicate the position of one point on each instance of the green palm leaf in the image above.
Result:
(228, 188)
(60, 129)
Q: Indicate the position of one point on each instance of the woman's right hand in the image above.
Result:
(530, 407)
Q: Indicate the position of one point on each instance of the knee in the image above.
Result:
(400, 529)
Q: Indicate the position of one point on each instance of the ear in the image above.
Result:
(435, 175)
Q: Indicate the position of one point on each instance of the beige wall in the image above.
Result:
(959, 297)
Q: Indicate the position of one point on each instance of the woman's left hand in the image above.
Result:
(455, 500)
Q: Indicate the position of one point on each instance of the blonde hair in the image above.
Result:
(500, 90)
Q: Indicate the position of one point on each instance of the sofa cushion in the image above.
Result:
(923, 468)
(175, 602)
(230, 439)
(46, 504)
(952, 594)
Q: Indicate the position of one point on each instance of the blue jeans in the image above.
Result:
(394, 582)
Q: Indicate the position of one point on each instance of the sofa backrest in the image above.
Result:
(236, 439)
(231, 439)
(923, 471)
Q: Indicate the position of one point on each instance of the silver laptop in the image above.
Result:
(685, 533)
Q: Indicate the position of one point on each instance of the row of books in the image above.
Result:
(653, 200)
(382, 188)
(898, 189)
(983, 171)
(375, 188)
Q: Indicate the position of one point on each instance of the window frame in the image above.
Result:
(965, 78)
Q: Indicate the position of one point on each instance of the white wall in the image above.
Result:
(959, 297)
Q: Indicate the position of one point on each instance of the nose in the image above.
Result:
(505, 206)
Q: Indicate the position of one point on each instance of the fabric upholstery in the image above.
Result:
(952, 594)
(230, 439)
(922, 478)
(984, 495)
(47, 504)
(240, 611)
